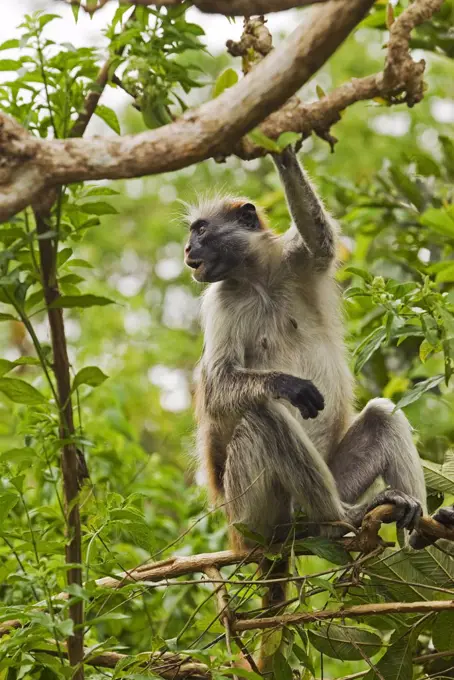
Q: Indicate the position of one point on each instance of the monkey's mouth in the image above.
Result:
(194, 264)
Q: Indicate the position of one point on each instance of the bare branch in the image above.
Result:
(29, 165)
(355, 612)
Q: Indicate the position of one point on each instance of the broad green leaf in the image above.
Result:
(227, 79)
(406, 577)
(9, 65)
(281, 667)
(90, 375)
(304, 657)
(446, 275)
(141, 535)
(443, 631)
(260, 139)
(397, 662)
(98, 208)
(345, 642)
(438, 220)
(89, 300)
(102, 191)
(362, 273)
(44, 19)
(328, 550)
(6, 366)
(248, 533)
(109, 117)
(440, 477)
(418, 390)
(21, 455)
(9, 44)
(21, 392)
(7, 317)
(8, 500)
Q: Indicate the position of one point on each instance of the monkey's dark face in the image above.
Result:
(218, 245)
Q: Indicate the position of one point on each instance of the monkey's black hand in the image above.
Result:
(300, 393)
(407, 512)
(444, 516)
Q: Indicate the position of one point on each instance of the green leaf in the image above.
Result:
(24, 454)
(304, 657)
(90, 375)
(328, 550)
(260, 139)
(102, 191)
(320, 91)
(397, 662)
(98, 208)
(286, 138)
(8, 500)
(9, 65)
(281, 667)
(7, 317)
(368, 347)
(418, 390)
(10, 44)
(45, 19)
(439, 221)
(141, 535)
(440, 477)
(109, 117)
(362, 273)
(407, 187)
(345, 642)
(89, 300)
(443, 631)
(251, 535)
(227, 79)
(21, 392)
(446, 275)
(5, 366)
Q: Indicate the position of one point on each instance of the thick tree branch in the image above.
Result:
(226, 7)
(28, 165)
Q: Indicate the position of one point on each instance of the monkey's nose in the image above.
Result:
(187, 249)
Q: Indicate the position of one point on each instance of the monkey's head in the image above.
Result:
(222, 234)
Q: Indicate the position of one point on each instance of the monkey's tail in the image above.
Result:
(272, 601)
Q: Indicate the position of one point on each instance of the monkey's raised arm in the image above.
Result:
(314, 224)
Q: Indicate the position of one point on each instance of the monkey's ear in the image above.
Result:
(248, 216)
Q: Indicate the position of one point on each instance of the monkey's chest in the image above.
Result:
(272, 340)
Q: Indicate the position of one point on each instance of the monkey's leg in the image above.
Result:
(379, 443)
(271, 461)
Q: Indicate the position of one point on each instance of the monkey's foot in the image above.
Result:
(407, 510)
(445, 516)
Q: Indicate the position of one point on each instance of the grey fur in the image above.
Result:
(278, 314)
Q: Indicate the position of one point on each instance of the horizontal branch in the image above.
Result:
(356, 612)
(226, 7)
(28, 165)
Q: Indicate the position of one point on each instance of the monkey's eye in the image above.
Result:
(200, 226)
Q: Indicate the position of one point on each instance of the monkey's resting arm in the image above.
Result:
(232, 387)
(315, 226)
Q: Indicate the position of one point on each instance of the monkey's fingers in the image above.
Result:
(317, 398)
(407, 510)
